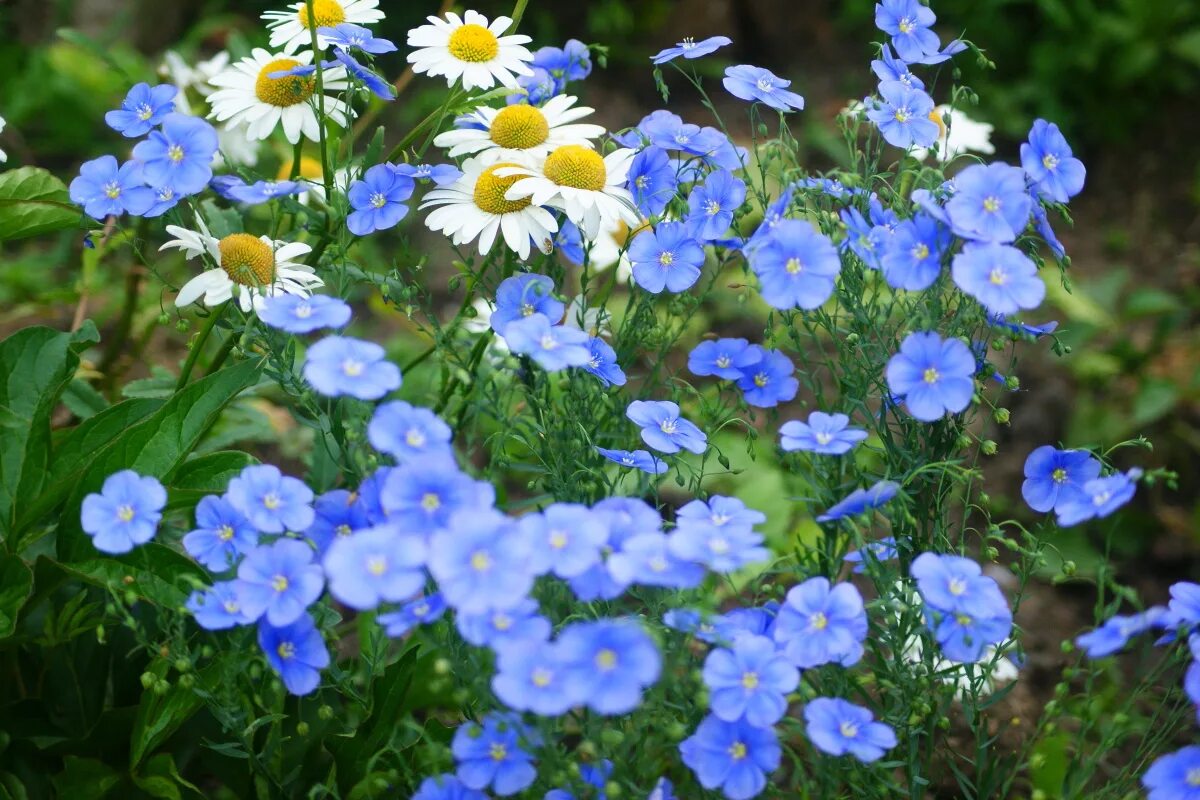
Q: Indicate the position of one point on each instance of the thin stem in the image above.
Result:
(198, 345)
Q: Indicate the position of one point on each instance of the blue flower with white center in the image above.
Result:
(378, 200)
(866, 240)
(932, 375)
(296, 652)
(1116, 631)
(626, 518)
(774, 214)
(373, 566)
(722, 549)
(663, 428)
(902, 116)
(953, 584)
(298, 314)
(104, 189)
(891, 68)
(407, 432)
(711, 205)
(759, 621)
(273, 502)
(608, 664)
(125, 513)
(481, 562)
(687, 620)
(734, 757)
(725, 358)
(142, 109)
(179, 155)
(796, 266)
(446, 787)
(828, 434)
(769, 382)
(860, 501)
(871, 552)
(221, 536)
(603, 363)
(908, 22)
(279, 581)
(440, 174)
(721, 512)
(261, 192)
(1053, 476)
(652, 180)
(759, 85)
(822, 624)
(503, 627)
(164, 200)
(666, 257)
(422, 611)
(966, 638)
(348, 36)
(218, 608)
(1175, 776)
(1002, 278)
(553, 347)
(337, 514)
(670, 132)
(689, 48)
(636, 459)
(990, 203)
(837, 727)
(422, 495)
(1042, 222)
(1047, 159)
(493, 754)
(647, 560)
(522, 296)
(1098, 498)
(911, 257)
(530, 676)
(750, 680)
(564, 539)
(339, 365)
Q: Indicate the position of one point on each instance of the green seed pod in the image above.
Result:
(1001, 415)
(302, 728)
(325, 713)
(148, 680)
(988, 447)
(161, 688)
(187, 681)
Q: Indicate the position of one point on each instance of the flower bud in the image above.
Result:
(988, 447)
(148, 680)
(611, 737)
(325, 713)
(302, 728)
(182, 664)
(1068, 568)
(161, 688)
(1001, 415)
(442, 666)
(187, 681)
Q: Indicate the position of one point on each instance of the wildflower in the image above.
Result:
(368, 501)
(292, 29)
(470, 50)
(758, 85)
(373, 566)
(962, 135)
(670, 132)
(666, 258)
(663, 790)
(732, 756)
(1002, 278)
(178, 155)
(1116, 631)
(296, 314)
(348, 36)
(1042, 222)
(564, 539)
(222, 534)
(652, 180)
(911, 257)
(663, 428)
(902, 116)
(990, 203)
(638, 459)
(725, 358)
(440, 174)
(953, 584)
(882, 550)
(750, 681)
(860, 501)
(142, 109)
(296, 652)
(1185, 603)
(374, 83)
(553, 347)
(522, 132)
(279, 581)
(647, 559)
(340, 365)
(819, 624)
(769, 382)
(689, 48)
(337, 514)
(501, 627)
(626, 518)
(603, 362)
(422, 496)
(407, 432)
(891, 68)
(932, 375)
(965, 637)
(261, 192)
(1175, 776)
(829, 434)
(446, 787)
(378, 200)
(218, 608)
(759, 621)
(796, 266)
(908, 22)
(1046, 158)
(273, 502)
(1053, 476)
(125, 513)
(491, 754)
(721, 512)
(522, 296)
(164, 200)
(608, 664)
(866, 240)
(481, 561)
(838, 727)
(105, 190)
(1099, 497)
(712, 204)
(530, 676)
(422, 611)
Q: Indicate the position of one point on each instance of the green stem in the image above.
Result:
(222, 354)
(517, 12)
(326, 174)
(198, 345)
(433, 118)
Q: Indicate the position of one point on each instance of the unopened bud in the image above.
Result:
(988, 447)
(1001, 415)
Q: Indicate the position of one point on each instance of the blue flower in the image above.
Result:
(502, 627)
(965, 638)
(279, 581)
(1116, 631)
(376, 84)
(1042, 222)
(523, 296)
(690, 48)
(440, 174)
(759, 620)
(1099, 497)
(553, 347)
(378, 200)
(376, 565)
(421, 611)
(911, 257)
(769, 382)
(890, 68)
(564, 539)
(481, 562)
(756, 84)
(882, 550)
(647, 559)
(1046, 158)
(164, 200)
(666, 257)
(953, 585)
(105, 190)
(796, 267)
(860, 501)
(688, 620)
(670, 132)
(1054, 476)
(734, 757)
(819, 624)
(1002, 278)
(296, 652)
(218, 608)
(261, 192)
(273, 502)
(638, 459)
(866, 240)
(179, 155)
(725, 358)
(530, 676)
(539, 85)
(721, 512)
(932, 375)
(908, 23)
(221, 536)
(652, 180)
(337, 515)
(663, 790)
(347, 36)
(1174, 776)
(492, 755)
(142, 109)
(446, 787)
(603, 363)
(750, 681)
(608, 664)
(902, 116)
(663, 428)
(712, 204)
(829, 434)
(125, 513)
(340, 365)
(1185, 604)
(990, 203)
(423, 494)
(369, 498)
(838, 727)
(407, 432)
(296, 314)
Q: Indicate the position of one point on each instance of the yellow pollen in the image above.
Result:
(343, 530)
(848, 729)
(473, 43)
(606, 659)
(352, 368)
(558, 540)
(490, 189)
(271, 501)
(1193, 776)
(793, 266)
(723, 362)
(310, 168)
(991, 204)
(666, 258)
(712, 208)
(761, 380)
(145, 112)
(576, 166)
(247, 260)
(280, 583)
(718, 545)
(541, 678)
(326, 13)
(285, 91)
(818, 621)
(931, 375)
(225, 533)
(502, 622)
(286, 650)
(376, 565)
(1059, 475)
(480, 561)
(415, 438)
(905, 25)
(175, 153)
(520, 127)
(737, 751)
(941, 123)
(230, 606)
(1050, 162)
(498, 752)
(963, 620)
(921, 252)
(997, 277)
(431, 502)
(956, 586)
(125, 513)
(112, 190)
(750, 680)
(901, 115)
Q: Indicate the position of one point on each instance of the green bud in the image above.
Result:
(677, 731)
(148, 680)
(164, 319)
(1068, 568)
(962, 442)
(461, 696)
(207, 651)
(187, 681)
(944, 723)
(1120, 719)
(988, 447)
(161, 688)
(612, 789)
(442, 666)
(182, 664)
(325, 713)
(1068, 646)
(587, 750)
(1001, 415)
(611, 737)
(182, 326)
(302, 728)
(1037, 761)
(985, 498)
(1012, 383)
(999, 344)
(130, 598)
(100, 634)
(992, 553)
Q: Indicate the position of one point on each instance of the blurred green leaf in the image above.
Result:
(205, 475)
(82, 400)
(34, 202)
(16, 583)
(86, 777)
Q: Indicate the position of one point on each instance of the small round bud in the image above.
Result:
(442, 666)
(1012, 383)
(182, 664)
(992, 553)
(612, 789)
(1069, 568)
(161, 688)
(148, 679)
(302, 728)
(164, 319)
(207, 651)
(988, 447)
(677, 731)
(187, 681)
(611, 737)
(962, 442)
(1001, 415)
(587, 750)
(325, 713)
(182, 326)
(127, 580)
(1068, 646)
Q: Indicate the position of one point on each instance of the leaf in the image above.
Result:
(85, 777)
(221, 221)
(153, 572)
(34, 202)
(162, 768)
(83, 400)
(159, 716)
(16, 583)
(205, 475)
(374, 149)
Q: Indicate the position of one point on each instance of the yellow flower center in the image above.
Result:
(956, 586)
(558, 540)
(502, 622)
(309, 168)
(793, 266)
(112, 190)
(576, 166)
(431, 502)
(225, 533)
(823, 438)
(415, 438)
(125, 513)
(848, 729)
(963, 620)
(490, 189)
(666, 258)
(520, 127)
(280, 583)
(541, 678)
(1050, 162)
(997, 277)
(1193, 776)
(761, 380)
(286, 91)
(498, 751)
(1059, 475)
(271, 501)
(480, 561)
(606, 659)
(750, 680)
(737, 751)
(175, 153)
(473, 43)
(247, 260)
(931, 375)
(377, 565)
(326, 13)
(818, 621)
(286, 650)
(921, 252)
(991, 204)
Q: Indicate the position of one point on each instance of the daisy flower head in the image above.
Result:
(521, 130)
(470, 49)
(247, 93)
(292, 29)
(587, 187)
(477, 205)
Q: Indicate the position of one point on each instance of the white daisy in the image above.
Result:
(522, 131)
(253, 267)
(588, 187)
(964, 134)
(470, 49)
(290, 29)
(476, 205)
(249, 95)
(185, 76)
(3, 155)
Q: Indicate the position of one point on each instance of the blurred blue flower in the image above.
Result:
(143, 108)
(637, 459)
(446, 787)
(725, 358)
(373, 566)
(990, 203)
(822, 624)
(712, 204)
(407, 432)
(865, 239)
(297, 314)
(272, 501)
(663, 428)
(553, 347)
(378, 200)
(337, 514)
(530, 676)
(690, 48)
(838, 727)
(563, 539)
(260, 192)
(932, 375)
(179, 155)
(523, 296)
(796, 266)
(1053, 476)
(652, 180)
(340, 365)
(911, 257)
(423, 494)
(954, 584)
(1047, 159)
(829, 434)
(647, 559)
(721, 512)
(882, 550)
(751, 680)
(296, 652)
(902, 116)
(481, 562)
(1002, 278)
(1174, 776)
(503, 627)
(860, 501)
(759, 85)
(279, 581)
(125, 513)
(421, 611)
(221, 536)
(608, 664)
(666, 257)
(734, 757)
(1116, 631)
(1099, 498)
(347, 36)
(440, 174)
(218, 608)
(965, 638)
(105, 190)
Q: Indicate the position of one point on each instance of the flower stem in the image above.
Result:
(198, 345)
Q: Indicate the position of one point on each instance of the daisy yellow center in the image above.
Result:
(737, 751)
(125, 513)
(309, 168)
(247, 259)
(818, 621)
(286, 650)
(1059, 475)
(931, 375)
(606, 659)
(490, 189)
(326, 13)
(578, 167)
(473, 43)
(286, 91)
(750, 680)
(225, 533)
(520, 127)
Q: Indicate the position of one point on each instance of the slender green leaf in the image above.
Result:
(205, 475)
(16, 583)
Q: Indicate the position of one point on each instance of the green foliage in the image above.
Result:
(34, 202)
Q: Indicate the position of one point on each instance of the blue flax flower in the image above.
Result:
(711, 204)
(164, 200)
(734, 757)
(911, 257)
(446, 787)
(1046, 158)
(1046, 231)
(593, 775)
(608, 664)
(860, 501)
(347, 36)
(341, 365)
(1175, 776)
(422, 495)
(965, 638)
(553, 347)
(1185, 604)
(663, 428)
(218, 608)
(725, 358)
(523, 296)
(421, 611)
(492, 755)
(376, 84)
(407, 432)
(721, 512)
(1116, 631)
(603, 363)
(769, 382)
(376, 565)
(902, 116)
(891, 68)
(279, 581)
(666, 258)
(774, 214)
(932, 375)
(337, 514)
(637, 459)
(221, 536)
(796, 267)
(670, 132)
(626, 518)
(652, 180)
(502, 627)
(990, 203)
(1053, 476)
(530, 676)
(838, 727)
(865, 239)
(829, 434)
(563, 539)
(759, 85)
(481, 562)
(296, 652)
(260, 192)
(720, 548)
(822, 624)
(296, 314)
(647, 559)
(908, 22)
(954, 584)
(378, 200)
(1002, 278)
(440, 174)
(179, 155)
(1099, 497)
(104, 189)
(882, 550)
(125, 513)
(751, 680)
(142, 109)
(689, 48)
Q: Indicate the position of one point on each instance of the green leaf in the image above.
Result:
(16, 583)
(153, 572)
(86, 777)
(374, 149)
(82, 400)
(205, 475)
(221, 221)
(162, 768)
(34, 202)
(159, 716)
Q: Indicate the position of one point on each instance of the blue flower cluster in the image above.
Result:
(965, 610)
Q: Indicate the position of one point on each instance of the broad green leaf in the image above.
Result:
(83, 400)
(34, 202)
(153, 572)
(205, 475)
(86, 777)
(16, 583)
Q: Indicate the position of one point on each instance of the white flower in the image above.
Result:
(290, 29)
(470, 49)
(963, 135)
(252, 267)
(249, 96)
(185, 76)
(521, 131)
(476, 205)
(593, 321)
(3, 155)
